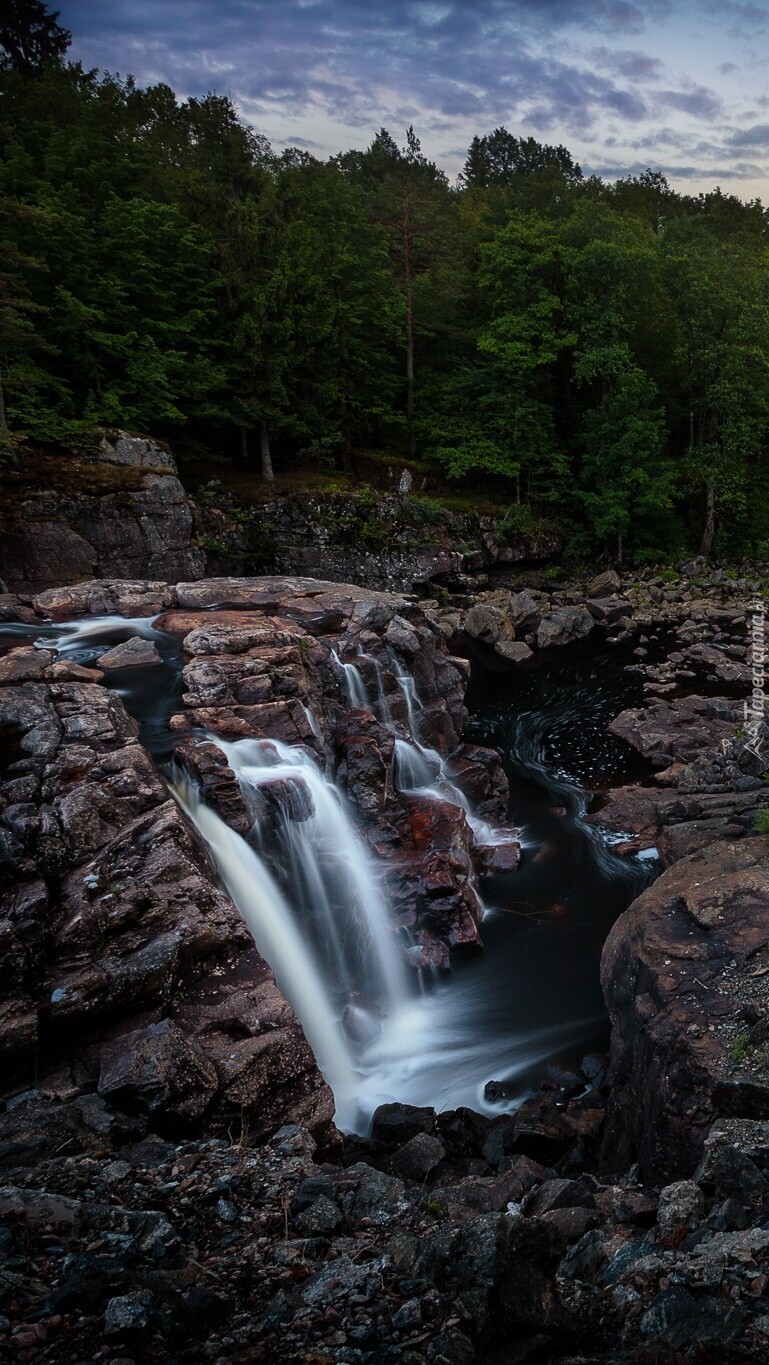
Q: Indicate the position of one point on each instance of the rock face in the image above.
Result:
(683, 972)
(379, 540)
(112, 923)
(120, 512)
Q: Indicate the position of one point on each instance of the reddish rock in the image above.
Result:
(135, 653)
(24, 665)
(666, 731)
(106, 597)
(677, 968)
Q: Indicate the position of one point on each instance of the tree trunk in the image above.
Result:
(409, 325)
(706, 545)
(264, 445)
(3, 413)
(619, 548)
(244, 447)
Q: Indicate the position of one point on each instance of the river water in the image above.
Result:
(532, 998)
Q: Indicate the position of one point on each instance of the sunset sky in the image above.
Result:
(670, 84)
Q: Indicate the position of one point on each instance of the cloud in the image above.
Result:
(757, 136)
(699, 102)
(743, 170)
(325, 74)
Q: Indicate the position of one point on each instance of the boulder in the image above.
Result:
(562, 626)
(487, 624)
(524, 610)
(607, 584)
(158, 1071)
(677, 970)
(135, 653)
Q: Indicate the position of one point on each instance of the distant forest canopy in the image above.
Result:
(597, 353)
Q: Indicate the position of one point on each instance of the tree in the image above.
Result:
(30, 36)
(720, 292)
(500, 158)
(409, 197)
(521, 278)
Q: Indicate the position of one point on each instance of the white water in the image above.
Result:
(71, 635)
(330, 873)
(280, 940)
(354, 687)
(424, 772)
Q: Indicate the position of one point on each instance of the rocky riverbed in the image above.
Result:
(173, 1184)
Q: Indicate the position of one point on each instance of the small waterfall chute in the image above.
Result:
(329, 871)
(280, 940)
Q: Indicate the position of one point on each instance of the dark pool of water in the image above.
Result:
(548, 921)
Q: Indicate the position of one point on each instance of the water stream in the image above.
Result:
(310, 893)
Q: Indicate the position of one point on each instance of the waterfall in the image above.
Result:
(424, 772)
(279, 939)
(329, 872)
(354, 687)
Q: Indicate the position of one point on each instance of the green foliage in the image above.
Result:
(762, 821)
(741, 1049)
(587, 354)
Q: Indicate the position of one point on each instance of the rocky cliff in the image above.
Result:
(119, 510)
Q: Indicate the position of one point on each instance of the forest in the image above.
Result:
(590, 353)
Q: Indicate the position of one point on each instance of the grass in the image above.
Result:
(740, 1049)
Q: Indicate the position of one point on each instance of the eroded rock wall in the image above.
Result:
(122, 511)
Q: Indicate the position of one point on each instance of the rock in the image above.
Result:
(487, 624)
(418, 1157)
(380, 1198)
(558, 1194)
(515, 651)
(735, 1159)
(396, 1124)
(585, 1260)
(605, 585)
(571, 1224)
(524, 610)
(320, 1218)
(135, 653)
(681, 1210)
(497, 860)
(156, 1070)
(106, 597)
(480, 776)
(679, 1320)
(121, 448)
(610, 609)
(662, 973)
(128, 514)
(664, 731)
(24, 665)
(562, 626)
(127, 1314)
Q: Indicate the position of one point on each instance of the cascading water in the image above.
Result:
(329, 875)
(280, 939)
(324, 929)
(354, 687)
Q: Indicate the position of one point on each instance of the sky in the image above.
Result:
(678, 85)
